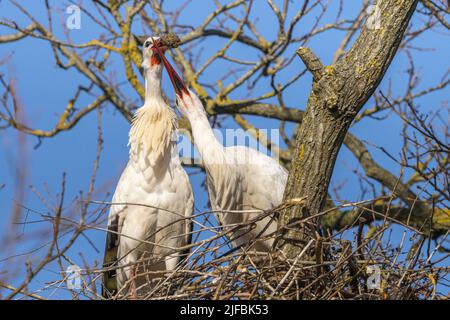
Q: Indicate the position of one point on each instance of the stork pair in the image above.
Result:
(149, 225)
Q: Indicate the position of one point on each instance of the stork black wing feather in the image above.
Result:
(109, 287)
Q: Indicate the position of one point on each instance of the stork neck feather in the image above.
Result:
(153, 89)
(154, 124)
(210, 149)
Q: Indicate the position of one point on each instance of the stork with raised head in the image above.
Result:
(237, 177)
(148, 222)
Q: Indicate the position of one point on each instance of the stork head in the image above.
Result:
(152, 51)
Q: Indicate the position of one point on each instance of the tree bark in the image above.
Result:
(338, 93)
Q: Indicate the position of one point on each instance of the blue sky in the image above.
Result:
(44, 91)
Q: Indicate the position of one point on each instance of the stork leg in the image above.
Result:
(171, 261)
(133, 282)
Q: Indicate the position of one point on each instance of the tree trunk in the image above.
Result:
(338, 93)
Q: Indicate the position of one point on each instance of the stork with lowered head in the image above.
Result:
(238, 178)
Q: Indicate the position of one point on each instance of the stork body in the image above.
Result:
(237, 178)
(149, 219)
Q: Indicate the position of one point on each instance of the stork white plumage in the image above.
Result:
(153, 198)
(238, 177)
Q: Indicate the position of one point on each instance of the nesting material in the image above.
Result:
(170, 40)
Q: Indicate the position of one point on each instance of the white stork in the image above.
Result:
(237, 177)
(149, 216)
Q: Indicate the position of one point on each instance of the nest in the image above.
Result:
(331, 269)
(252, 276)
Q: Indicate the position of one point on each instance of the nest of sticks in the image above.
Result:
(329, 267)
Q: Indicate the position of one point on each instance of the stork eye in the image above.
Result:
(147, 44)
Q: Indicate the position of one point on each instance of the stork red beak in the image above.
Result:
(178, 84)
